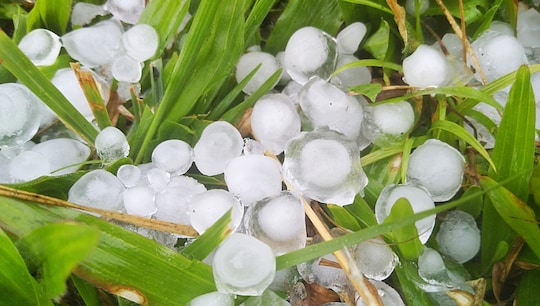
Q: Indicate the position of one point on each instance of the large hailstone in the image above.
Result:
(426, 67)
(19, 114)
(248, 62)
(438, 167)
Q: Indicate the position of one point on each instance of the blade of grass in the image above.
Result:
(50, 14)
(406, 237)
(210, 239)
(258, 13)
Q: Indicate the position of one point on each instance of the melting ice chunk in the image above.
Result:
(458, 236)
(111, 144)
(174, 156)
(140, 42)
(129, 11)
(41, 46)
(63, 152)
(243, 265)
(19, 114)
(98, 189)
(207, 207)
(139, 201)
(250, 61)
(426, 67)
(375, 259)
(349, 38)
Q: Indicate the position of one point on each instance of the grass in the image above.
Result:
(192, 84)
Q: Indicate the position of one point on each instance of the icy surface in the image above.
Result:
(386, 123)
(158, 179)
(375, 259)
(41, 46)
(174, 156)
(274, 121)
(140, 42)
(248, 62)
(278, 221)
(172, 202)
(351, 76)
(63, 152)
(426, 67)
(389, 295)
(243, 265)
(126, 69)
(253, 177)
(207, 207)
(458, 236)
(111, 144)
(95, 45)
(129, 11)
(349, 38)
(417, 197)
(310, 52)
(28, 165)
(325, 166)
(219, 143)
(328, 106)
(83, 13)
(139, 201)
(98, 189)
(129, 175)
(19, 114)
(213, 298)
(438, 167)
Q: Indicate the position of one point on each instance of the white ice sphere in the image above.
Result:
(111, 144)
(158, 179)
(19, 114)
(41, 46)
(213, 298)
(219, 143)
(126, 69)
(83, 13)
(389, 295)
(243, 265)
(310, 52)
(63, 152)
(328, 106)
(375, 258)
(426, 67)
(410, 6)
(95, 45)
(498, 54)
(350, 37)
(253, 177)
(528, 28)
(250, 61)
(458, 236)
(174, 156)
(388, 122)
(438, 167)
(207, 207)
(139, 201)
(129, 175)
(172, 202)
(28, 165)
(274, 121)
(419, 199)
(140, 42)
(129, 11)
(351, 76)
(278, 221)
(98, 189)
(431, 266)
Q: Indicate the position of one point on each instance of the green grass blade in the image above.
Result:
(406, 237)
(343, 217)
(210, 239)
(88, 293)
(527, 294)
(20, 66)
(51, 14)
(258, 13)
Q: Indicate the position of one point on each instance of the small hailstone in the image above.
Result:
(41, 46)
(458, 236)
(349, 38)
(126, 69)
(351, 76)
(174, 156)
(250, 61)
(426, 67)
(129, 175)
(63, 152)
(207, 207)
(388, 122)
(111, 144)
(375, 259)
(140, 42)
(139, 201)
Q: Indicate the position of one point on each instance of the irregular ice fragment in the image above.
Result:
(83, 13)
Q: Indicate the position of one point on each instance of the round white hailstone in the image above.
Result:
(19, 114)
(351, 76)
(431, 265)
(248, 62)
(98, 189)
(410, 6)
(459, 237)
(389, 295)
(438, 167)
(28, 165)
(207, 207)
(126, 69)
(388, 122)
(349, 38)
(95, 45)
(219, 143)
(83, 13)
(324, 166)
(278, 221)
(498, 54)
(140, 42)
(41, 46)
(139, 201)
(426, 67)
(213, 298)
(243, 265)
(111, 144)
(172, 202)
(128, 11)
(63, 152)
(328, 106)
(419, 199)
(253, 177)
(274, 121)
(158, 179)
(528, 28)
(174, 156)
(375, 259)
(310, 52)
(129, 175)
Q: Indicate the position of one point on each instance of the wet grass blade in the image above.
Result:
(50, 14)
(406, 237)
(258, 13)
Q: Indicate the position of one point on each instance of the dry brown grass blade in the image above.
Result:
(502, 269)
(400, 17)
(135, 220)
